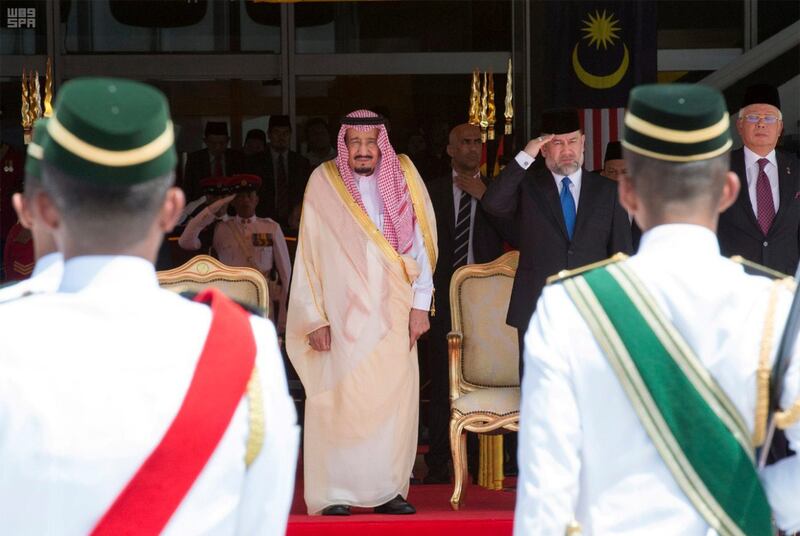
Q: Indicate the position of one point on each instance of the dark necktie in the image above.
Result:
(568, 206)
(281, 189)
(218, 171)
(461, 242)
(764, 203)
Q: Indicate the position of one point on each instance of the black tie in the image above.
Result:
(461, 242)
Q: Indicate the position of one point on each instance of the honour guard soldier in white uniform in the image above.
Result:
(646, 380)
(139, 412)
(245, 239)
(49, 265)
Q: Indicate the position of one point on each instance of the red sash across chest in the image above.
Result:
(146, 504)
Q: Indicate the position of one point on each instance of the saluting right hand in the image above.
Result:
(220, 206)
(320, 339)
(535, 145)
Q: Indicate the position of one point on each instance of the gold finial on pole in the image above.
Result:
(35, 96)
(491, 114)
(484, 108)
(475, 99)
(26, 109)
(48, 89)
(509, 112)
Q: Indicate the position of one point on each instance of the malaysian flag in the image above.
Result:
(600, 125)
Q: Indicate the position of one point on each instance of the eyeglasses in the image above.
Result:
(755, 118)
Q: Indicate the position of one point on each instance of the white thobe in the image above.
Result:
(92, 377)
(45, 277)
(583, 453)
(373, 204)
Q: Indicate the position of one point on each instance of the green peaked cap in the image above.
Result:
(33, 160)
(677, 122)
(110, 131)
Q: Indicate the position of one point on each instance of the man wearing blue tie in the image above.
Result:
(559, 215)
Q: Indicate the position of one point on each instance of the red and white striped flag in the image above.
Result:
(600, 125)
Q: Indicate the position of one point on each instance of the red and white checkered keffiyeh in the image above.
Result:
(398, 219)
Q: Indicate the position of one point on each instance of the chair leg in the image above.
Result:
(458, 448)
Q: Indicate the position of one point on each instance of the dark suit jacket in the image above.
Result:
(530, 198)
(198, 167)
(738, 230)
(487, 243)
(299, 169)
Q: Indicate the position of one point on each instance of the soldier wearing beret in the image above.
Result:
(245, 239)
(140, 411)
(649, 383)
(48, 263)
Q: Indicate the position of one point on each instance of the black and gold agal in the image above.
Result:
(111, 131)
(677, 122)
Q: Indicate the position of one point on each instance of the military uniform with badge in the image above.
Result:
(646, 382)
(37, 265)
(140, 411)
(245, 239)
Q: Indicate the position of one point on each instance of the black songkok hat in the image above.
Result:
(256, 134)
(677, 122)
(613, 151)
(762, 94)
(279, 121)
(216, 128)
(560, 121)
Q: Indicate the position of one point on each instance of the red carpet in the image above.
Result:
(484, 513)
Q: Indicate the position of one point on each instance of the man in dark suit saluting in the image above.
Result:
(762, 226)
(563, 216)
(465, 236)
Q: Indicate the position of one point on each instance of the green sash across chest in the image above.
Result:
(694, 426)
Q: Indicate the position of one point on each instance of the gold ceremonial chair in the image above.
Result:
(484, 359)
(245, 285)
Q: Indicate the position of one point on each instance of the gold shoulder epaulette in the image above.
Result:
(758, 269)
(566, 274)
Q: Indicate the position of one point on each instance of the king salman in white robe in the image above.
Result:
(362, 396)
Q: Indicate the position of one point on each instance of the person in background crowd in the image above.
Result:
(216, 160)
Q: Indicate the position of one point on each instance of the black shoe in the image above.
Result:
(336, 510)
(397, 506)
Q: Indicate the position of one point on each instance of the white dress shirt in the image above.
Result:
(45, 278)
(423, 285)
(752, 168)
(457, 206)
(583, 452)
(83, 406)
(576, 179)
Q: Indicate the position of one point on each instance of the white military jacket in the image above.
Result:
(45, 278)
(93, 375)
(583, 453)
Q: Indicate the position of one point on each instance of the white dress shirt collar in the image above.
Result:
(108, 273)
(576, 179)
(751, 159)
(45, 262)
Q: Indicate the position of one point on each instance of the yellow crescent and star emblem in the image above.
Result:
(601, 30)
